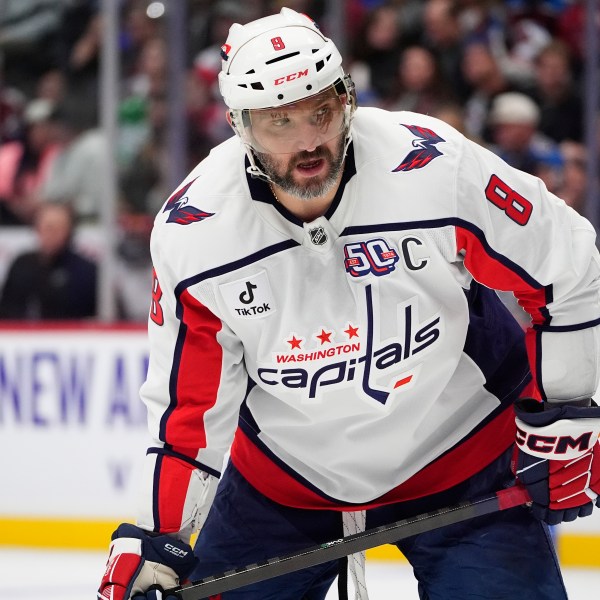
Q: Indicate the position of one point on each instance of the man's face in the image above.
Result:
(53, 226)
(513, 137)
(307, 175)
(301, 145)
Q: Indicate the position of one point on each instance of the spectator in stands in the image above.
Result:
(221, 16)
(442, 35)
(12, 104)
(571, 29)
(514, 118)
(421, 86)
(486, 80)
(147, 83)
(53, 281)
(574, 185)
(25, 164)
(52, 86)
(81, 42)
(516, 50)
(133, 267)
(151, 75)
(451, 113)
(143, 180)
(481, 21)
(560, 102)
(79, 171)
(136, 30)
(205, 109)
(377, 50)
(29, 40)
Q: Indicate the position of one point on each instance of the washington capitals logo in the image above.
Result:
(425, 149)
(180, 212)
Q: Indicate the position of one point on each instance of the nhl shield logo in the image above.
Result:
(318, 236)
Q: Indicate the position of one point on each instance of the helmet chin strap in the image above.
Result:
(254, 170)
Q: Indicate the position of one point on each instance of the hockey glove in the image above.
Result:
(139, 561)
(155, 593)
(558, 458)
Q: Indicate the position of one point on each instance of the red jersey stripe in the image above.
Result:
(198, 375)
(173, 482)
(457, 465)
(493, 273)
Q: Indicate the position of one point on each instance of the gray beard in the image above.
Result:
(310, 189)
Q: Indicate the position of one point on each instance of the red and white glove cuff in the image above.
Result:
(122, 568)
(563, 440)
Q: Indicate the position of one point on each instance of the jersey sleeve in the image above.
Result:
(514, 235)
(195, 384)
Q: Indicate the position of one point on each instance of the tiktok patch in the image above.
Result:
(250, 297)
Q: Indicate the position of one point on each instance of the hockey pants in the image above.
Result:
(503, 556)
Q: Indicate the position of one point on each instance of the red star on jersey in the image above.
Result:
(294, 342)
(324, 336)
(351, 331)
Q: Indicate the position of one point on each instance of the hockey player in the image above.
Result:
(324, 308)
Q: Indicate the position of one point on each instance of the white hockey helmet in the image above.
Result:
(277, 61)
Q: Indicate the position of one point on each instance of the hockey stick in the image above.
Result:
(336, 549)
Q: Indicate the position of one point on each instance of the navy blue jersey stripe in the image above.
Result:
(349, 172)
(253, 437)
(167, 451)
(155, 493)
(174, 375)
(495, 342)
(230, 267)
(538, 364)
(438, 223)
(575, 327)
(181, 335)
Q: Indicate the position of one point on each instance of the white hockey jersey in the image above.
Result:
(361, 358)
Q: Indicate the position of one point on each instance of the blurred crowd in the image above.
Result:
(507, 74)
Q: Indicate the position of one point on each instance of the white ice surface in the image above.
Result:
(70, 575)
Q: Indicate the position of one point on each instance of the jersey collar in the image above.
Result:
(261, 192)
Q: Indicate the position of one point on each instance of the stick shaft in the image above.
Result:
(336, 549)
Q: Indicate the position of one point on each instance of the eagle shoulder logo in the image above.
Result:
(425, 149)
(180, 211)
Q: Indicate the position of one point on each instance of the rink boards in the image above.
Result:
(73, 434)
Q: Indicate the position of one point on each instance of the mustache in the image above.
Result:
(318, 152)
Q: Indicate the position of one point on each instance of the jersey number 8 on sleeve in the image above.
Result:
(156, 311)
(513, 204)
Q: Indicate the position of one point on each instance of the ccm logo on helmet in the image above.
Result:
(554, 444)
(291, 77)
